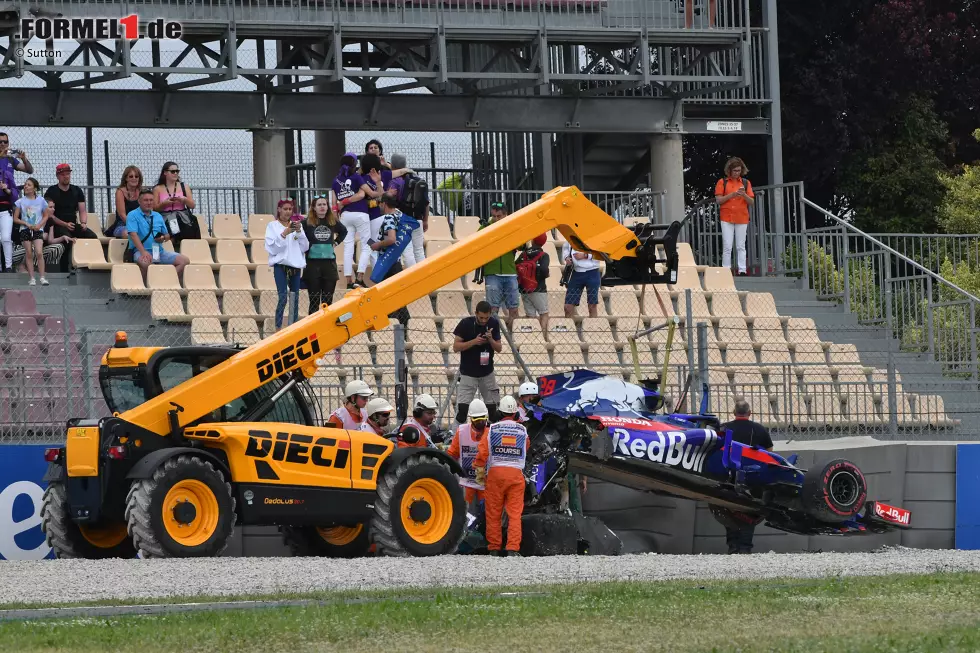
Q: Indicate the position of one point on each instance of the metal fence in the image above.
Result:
(700, 15)
(775, 227)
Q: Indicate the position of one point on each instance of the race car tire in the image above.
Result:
(70, 540)
(420, 509)
(835, 492)
(734, 519)
(332, 542)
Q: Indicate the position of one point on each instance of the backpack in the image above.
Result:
(415, 196)
(527, 272)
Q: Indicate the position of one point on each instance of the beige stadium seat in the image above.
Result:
(438, 228)
(760, 304)
(685, 255)
(243, 331)
(421, 307)
(423, 331)
(198, 251)
(568, 355)
(260, 256)
(699, 307)
(162, 277)
(227, 225)
(238, 303)
(264, 279)
(127, 278)
(234, 277)
(739, 348)
(809, 354)
(527, 330)
(433, 247)
(267, 302)
(604, 357)
(257, 223)
(596, 330)
(117, 247)
(719, 279)
(463, 225)
(687, 277)
(556, 303)
(166, 305)
(232, 252)
(774, 357)
(748, 384)
(623, 303)
(207, 331)
(202, 224)
(801, 329)
(202, 303)
(199, 277)
(726, 304)
(655, 308)
(451, 304)
(768, 329)
(843, 356)
(561, 330)
(88, 253)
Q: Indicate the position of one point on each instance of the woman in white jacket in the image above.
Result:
(286, 243)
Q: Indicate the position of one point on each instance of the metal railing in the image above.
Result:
(445, 202)
(775, 227)
(916, 306)
(693, 15)
(932, 250)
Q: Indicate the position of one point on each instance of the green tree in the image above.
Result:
(959, 212)
(893, 182)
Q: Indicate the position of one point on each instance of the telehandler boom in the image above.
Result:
(204, 438)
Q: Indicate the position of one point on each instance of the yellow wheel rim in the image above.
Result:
(104, 536)
(340, 535)
(427, 511)
(203, 522)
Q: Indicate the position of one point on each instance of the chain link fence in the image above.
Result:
(801, 382)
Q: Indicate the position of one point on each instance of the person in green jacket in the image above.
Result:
(501, 275)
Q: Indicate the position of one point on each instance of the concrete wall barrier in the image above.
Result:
(938, 481)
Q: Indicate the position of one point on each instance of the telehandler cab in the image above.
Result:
(204, 438)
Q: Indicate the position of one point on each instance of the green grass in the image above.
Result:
(939, 612)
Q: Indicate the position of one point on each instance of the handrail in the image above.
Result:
(888, 249)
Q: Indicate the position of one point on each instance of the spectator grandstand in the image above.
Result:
(765, 340)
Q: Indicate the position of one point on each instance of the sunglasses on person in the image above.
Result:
(4, 142)
(175, 171)
(497, 205)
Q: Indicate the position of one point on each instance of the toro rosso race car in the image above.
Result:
(606, 428)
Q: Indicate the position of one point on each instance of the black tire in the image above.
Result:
(387, 528)
(69, 540)
(149, 518)
(312, 541)
(834, 493)
(734, 518)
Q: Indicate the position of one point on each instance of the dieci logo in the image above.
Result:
(99, 29)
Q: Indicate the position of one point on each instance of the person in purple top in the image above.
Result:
(377, 180)
(350, 205)
(9, 162)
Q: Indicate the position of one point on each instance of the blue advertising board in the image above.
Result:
(968, 496)
(21, 491)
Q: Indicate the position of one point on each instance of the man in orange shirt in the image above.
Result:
(734, 194)
(500, 463)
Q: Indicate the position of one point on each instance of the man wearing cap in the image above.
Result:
(533, 271)
(500, 274)
(350, 416)
(378, 413)
(70, 216)
(9, 162)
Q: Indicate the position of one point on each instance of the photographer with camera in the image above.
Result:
(286, 243)
(477, 338)
(147, 233)
(10, 161)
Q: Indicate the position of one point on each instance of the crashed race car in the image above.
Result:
(610, 429)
